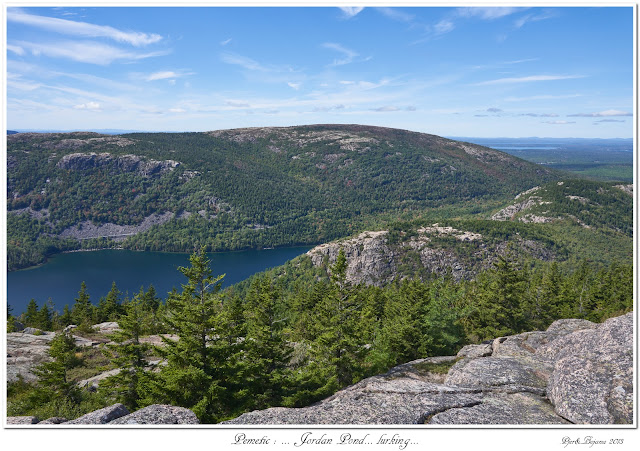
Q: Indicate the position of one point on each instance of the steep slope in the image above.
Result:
(233, 189)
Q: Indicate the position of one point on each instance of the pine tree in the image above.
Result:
(129, 354)
(31, 314)
(53, 382)
(65, 319)
(82, 311)
(339, 343)
(196, 375)
(267, 350)
(45, 317)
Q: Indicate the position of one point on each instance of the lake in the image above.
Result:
(60, 278)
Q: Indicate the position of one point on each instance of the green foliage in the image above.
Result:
(302, 185)
(83, 311)
(198, 363)
(129, 354)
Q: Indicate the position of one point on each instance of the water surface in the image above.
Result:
(60, 278)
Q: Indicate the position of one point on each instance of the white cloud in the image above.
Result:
(385, 109)
(532, 18)
(242, 61)
(351, 11)
(70, 27)
(349, 55)
(177, 110)
(602, 114)
(529, 78)
(93, 106)
(541, 97)
(444, 26)
(15, 49)
(486, 13)
(85, 52)
(395, 14)
(558, 122)
(225, 42)
(295, 86)
(167, 74)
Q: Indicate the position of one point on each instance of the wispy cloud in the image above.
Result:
(444, 26)
(519, 23)
(349, 55)
(243, 61)
(15, 49)
(486, 13)
(83, 29)
(85, 51)
(541, 97)
(92, 106)
(396, 14)
(609, 120)
(351, 11)
(558, 122)
(526, 79)
(164, 75)
(295, 86)
(225, 42)
(602, 114)
(539, 114)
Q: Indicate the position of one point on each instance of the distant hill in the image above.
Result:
(11, 132)
(243, 188)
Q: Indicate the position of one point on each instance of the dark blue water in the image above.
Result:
(60, 278)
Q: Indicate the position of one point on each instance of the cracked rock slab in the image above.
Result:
(512, 408)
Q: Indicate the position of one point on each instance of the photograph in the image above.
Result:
(313, 225)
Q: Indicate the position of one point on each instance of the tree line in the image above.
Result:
(226, 352)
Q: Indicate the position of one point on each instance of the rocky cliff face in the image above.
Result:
(575, 372)
(123, 163)
(373, 259)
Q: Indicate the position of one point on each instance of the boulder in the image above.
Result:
(102, 416)
(93, 382)
(106, 328)
(592, 380)
(24, 352)
(159, 414)
(54, 420)
(22, 420)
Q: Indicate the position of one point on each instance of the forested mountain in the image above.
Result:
(242, 188)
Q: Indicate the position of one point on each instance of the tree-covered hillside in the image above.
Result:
(244, 188)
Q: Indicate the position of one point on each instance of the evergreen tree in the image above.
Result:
(196, 375)
(339, 344)
(128, 354)
(267, 350)
(65, 319)
(45, 317)
(53, 384)
(82, 311)
(31, 314)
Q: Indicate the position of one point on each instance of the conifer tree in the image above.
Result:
(267, 351)
(196, 375)
(45, 317)
(128, 354)
(31, 314)
(53, 382)
(82, 311)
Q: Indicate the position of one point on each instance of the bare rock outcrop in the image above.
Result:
(101, 416)
(123, 163)
(574, 372)
(159, 414)
(118, 414)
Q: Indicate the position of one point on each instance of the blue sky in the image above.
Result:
(482, 72)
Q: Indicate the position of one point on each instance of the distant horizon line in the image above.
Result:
(117, 131)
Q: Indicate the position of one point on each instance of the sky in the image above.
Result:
(499, 71)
